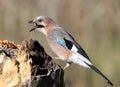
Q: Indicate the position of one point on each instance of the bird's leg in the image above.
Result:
(66, 66)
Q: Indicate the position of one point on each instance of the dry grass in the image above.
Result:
(94, 23)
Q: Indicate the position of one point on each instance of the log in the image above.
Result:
(28, 65)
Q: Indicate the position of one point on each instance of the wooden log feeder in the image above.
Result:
(28, 65)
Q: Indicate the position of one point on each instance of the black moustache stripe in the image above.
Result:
(39, 26)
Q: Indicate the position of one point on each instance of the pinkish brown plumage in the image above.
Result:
(64, 45)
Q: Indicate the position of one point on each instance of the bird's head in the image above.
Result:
(42, 23)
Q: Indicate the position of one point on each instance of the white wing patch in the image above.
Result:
(78, 58)
(74, 49)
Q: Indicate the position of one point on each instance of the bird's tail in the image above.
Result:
(88, 64)
(100, 73)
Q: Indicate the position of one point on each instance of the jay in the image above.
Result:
(64, 44)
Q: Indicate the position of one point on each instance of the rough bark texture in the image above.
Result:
(29, 66)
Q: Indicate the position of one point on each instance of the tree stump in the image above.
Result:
(28, 65)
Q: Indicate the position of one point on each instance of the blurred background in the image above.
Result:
(95, 24)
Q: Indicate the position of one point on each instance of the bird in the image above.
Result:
(64, 45)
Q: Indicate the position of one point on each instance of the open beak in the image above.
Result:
(36, 26)
(33, 27)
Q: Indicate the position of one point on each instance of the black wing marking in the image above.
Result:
(70, 44)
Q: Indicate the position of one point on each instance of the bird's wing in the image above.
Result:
(75, 46)
(66, 40)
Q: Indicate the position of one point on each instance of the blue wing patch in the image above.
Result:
(60, 41)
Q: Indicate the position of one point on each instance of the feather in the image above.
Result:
(80, 49)
(66, 40)
(60, 41)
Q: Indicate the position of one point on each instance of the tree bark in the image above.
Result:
(28, 66)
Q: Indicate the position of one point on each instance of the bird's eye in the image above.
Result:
(40, 20)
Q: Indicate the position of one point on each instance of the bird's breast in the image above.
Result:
(59, 50)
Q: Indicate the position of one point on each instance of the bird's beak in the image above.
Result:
(30, 21)
(33, 27)
(36, 25)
